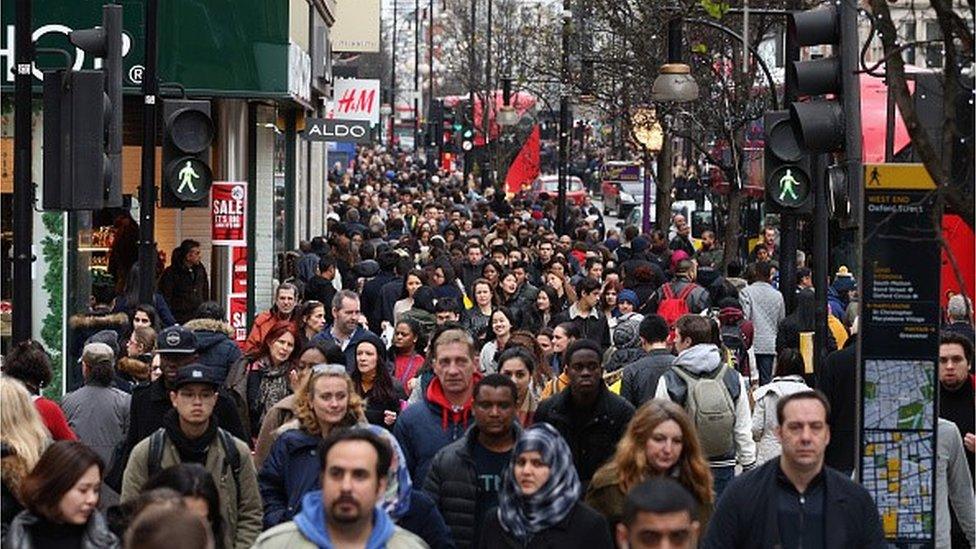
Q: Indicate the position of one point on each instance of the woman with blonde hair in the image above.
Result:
(24, 439)
(326, 402)
(660, 440)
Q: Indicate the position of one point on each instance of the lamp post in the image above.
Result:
(393, 84)
(674, 83)
(564, 121)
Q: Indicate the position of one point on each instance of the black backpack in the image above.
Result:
(157, 442)
(735, 342)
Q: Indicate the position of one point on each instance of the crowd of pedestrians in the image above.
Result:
(443, 370)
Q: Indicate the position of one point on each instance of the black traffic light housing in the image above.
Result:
(786, 167)
(188, 131)
(83, 123)
(75, 166)
(831, 125)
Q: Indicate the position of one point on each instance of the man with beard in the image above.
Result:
(465, 475)
(345, 512)
(586, 414)
(190, 435)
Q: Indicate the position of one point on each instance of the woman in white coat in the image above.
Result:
(788, 380)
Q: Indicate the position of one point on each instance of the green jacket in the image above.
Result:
(242, 518)
(288, 536)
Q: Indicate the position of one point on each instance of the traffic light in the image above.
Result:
(188, 131)
(786, 167)
(83, 123)
(829, 121)
(467, 138)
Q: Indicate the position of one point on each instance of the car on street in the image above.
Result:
(548, 185)
(622, 186)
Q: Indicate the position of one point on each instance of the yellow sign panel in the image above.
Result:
(897, 176)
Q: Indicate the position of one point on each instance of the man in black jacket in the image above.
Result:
(838, 381)
(465, 476)
(639, 381)
(372, 304)
(184, 284)
(586, 414)
(321, 287)
(796, 501)
(176, 347)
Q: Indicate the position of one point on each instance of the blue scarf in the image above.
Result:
(311, 523)
(396, 500)
(524, 516)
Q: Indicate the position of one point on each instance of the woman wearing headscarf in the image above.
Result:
(539, 503)
(410, 509)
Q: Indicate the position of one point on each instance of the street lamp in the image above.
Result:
(507, 116)
(674, 81)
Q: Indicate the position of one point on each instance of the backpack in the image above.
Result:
(734, 341)
(233, 456)
(673, 307)
(711, 407)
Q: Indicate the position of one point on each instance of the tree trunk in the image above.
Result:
(733, 226)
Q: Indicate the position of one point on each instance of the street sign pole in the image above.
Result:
(147, 187)
(23, 212)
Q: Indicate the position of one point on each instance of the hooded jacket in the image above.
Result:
(703, 359)
(308, 531)
(429, 425)
(764, 416)
(215, 348)
(83, 326)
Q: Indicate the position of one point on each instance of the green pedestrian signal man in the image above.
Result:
(787, 184)
(187, 175)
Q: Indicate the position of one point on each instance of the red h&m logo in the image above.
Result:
(354, 100)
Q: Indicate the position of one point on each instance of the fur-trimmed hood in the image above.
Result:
(209, 325)
(99, 321)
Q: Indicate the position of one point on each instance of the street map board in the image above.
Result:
(899, 349)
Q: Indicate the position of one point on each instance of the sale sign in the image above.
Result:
(238, 270)
(228, 213)
(355, 99)
(237, 308)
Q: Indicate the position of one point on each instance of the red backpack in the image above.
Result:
(673, 307)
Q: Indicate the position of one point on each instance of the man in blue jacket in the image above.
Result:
(345, 331)
(444, 412)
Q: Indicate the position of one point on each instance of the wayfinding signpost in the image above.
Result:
(899, 348)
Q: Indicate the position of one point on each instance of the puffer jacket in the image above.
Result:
(452, 483)
(215, 348)
(764, 415)
(96, 536)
